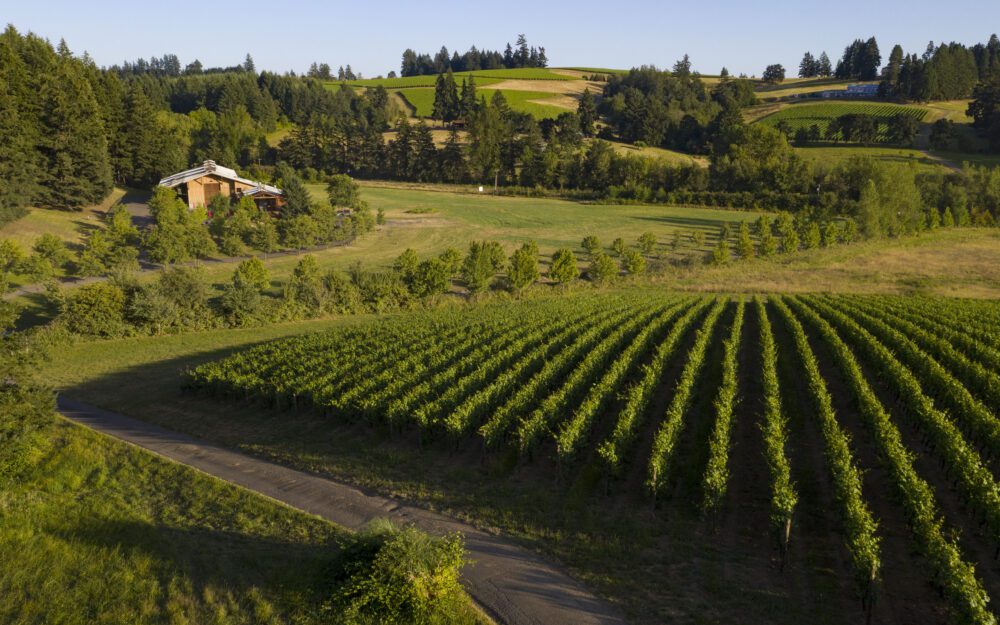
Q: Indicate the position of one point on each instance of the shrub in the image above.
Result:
(430, 277)
(96, 310)
(452, 260)
(618, 246)
(591, 244)
(398, 576)
(406, 264)
(342, 295)
(242, 304)
(523, 267)
(602, 269)
(633, 262)
(721, 255)
(647, 243)
(53, 249)
(563, 267)
(479, 265)
(252, 273)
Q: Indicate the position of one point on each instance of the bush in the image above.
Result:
(602, 269)
(591, 244)
(252, 273)
(480, 265)
(633, 262)
(242, 305)
(563, 267)
(523, 267)
(452, 260)
(399, 576)
(431, 277)
(647, 243)
(96, 310)
(342, 295)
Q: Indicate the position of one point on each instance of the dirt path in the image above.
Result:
(513, 585)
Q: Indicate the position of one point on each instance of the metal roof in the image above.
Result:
(209, 168)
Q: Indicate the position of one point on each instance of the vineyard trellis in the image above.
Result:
(609, 382)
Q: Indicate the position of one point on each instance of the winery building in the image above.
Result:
(198, 186)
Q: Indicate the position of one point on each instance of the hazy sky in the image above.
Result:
(290, 34)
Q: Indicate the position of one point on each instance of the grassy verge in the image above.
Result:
(105, 533)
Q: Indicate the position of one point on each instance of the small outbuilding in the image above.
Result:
(200, 185)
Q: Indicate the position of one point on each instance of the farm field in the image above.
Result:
(805, 115)
(673, 156)
(531, 102)
(482, 77)
(579, 409)
(833, 155)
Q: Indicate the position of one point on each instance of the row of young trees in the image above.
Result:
(520, 55)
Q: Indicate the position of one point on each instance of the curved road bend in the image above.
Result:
(513, 585)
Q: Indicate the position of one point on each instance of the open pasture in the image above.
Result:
(531, 102)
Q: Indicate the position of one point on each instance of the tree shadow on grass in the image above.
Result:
(684, 222)
(211, 558)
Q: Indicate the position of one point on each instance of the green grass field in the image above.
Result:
(822, 113)
(422, 101)
(482, 77)
(102, 532)
(832, 155)
(70, 226)
(672, 156)
(801, 87)
(597, 70)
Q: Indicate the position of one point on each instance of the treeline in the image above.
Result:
(169, 65)
(944, 72)
(520, 55)
(750, 166)
(860, 61)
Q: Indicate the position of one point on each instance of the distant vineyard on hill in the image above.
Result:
(822, 114)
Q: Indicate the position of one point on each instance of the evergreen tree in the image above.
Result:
(869, 211)
(523, 269)
(298, 201)
(587, 112)
(74, 150)
(808, 67)
(744, 246)
(563, 268)
(824, 67)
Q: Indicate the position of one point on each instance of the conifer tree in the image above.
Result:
(77, 169)
(587, 112)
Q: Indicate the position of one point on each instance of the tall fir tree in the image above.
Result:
(77, 168)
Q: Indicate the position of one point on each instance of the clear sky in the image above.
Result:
(290, 34)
